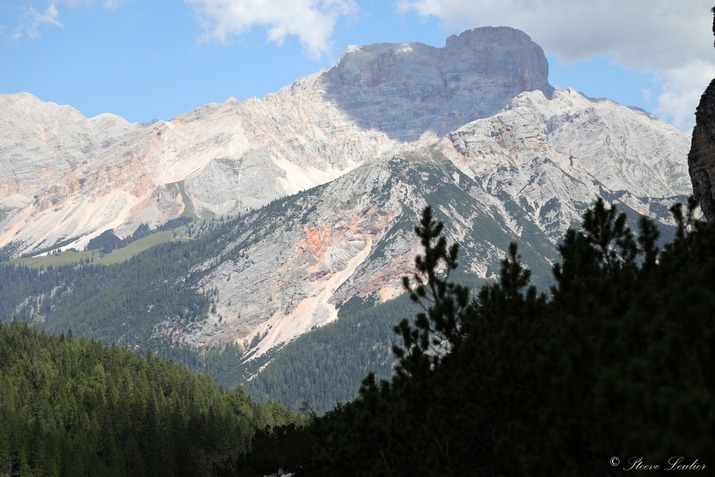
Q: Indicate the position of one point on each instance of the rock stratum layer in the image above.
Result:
(524, 175)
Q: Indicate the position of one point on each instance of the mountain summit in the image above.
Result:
(408, 89)
(473, 129)
(67, 178)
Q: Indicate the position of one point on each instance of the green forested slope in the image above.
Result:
(112, 302)
(73, 407)
(612, 368)
(325, 366)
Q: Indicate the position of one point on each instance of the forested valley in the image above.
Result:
(615, 361)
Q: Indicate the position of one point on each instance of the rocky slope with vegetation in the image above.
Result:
(608, 366)
(305, 200)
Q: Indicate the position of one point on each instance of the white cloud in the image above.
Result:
(32, 20)
(681, 91)
(668, 39)
(312, 21)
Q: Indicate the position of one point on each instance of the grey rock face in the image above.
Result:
(296, 262)
(555, 156)
(525, 175)
(228, 185)
(408, 89)
(701, 159)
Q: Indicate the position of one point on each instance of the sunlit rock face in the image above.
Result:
(554, 155)
(66, 178)
(356, 152)
(525, 175)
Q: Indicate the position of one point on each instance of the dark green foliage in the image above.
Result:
(117, 303)
(325, 367)
(617, 361)
(105, 242)
(437, 329)
(74, 407)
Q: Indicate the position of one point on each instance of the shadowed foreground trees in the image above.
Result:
(617, 361)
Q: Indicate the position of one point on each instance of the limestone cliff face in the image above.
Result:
(525, 175)
(701, 158)
(430, 91)
(554, 156)
(67, 178)
(517, 161)
(292, 265)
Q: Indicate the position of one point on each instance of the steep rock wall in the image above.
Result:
(701, 159)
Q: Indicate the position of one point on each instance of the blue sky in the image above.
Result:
(145, 59)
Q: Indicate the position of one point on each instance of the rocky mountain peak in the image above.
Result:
(408, 90)
(68, 178)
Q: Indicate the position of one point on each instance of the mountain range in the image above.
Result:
(306, 199)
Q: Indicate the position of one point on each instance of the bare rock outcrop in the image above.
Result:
(701, 159)
(525, 174)
(409, 89)
(554, 156)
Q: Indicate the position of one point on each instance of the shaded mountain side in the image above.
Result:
(701, 159)
(408, 89)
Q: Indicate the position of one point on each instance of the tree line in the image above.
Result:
(614, 366)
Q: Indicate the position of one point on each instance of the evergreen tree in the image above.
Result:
(616, 361)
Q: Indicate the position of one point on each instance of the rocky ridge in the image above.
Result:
(68, 178)
(517, 161)
(510, 177)
(554, 156)
(701, 158)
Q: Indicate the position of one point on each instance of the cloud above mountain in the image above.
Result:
(312, 21)
(669, 40)
(32, 20)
